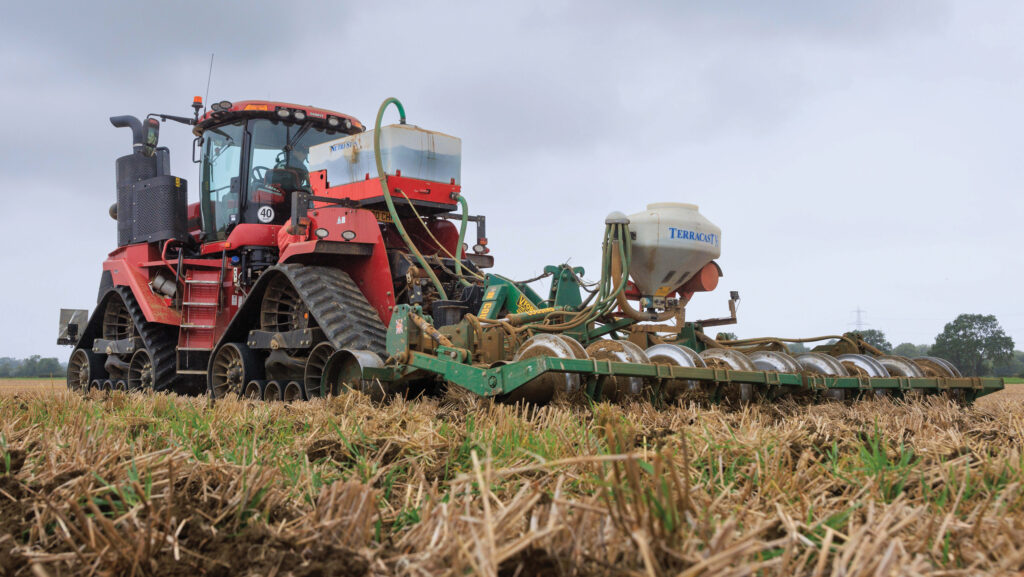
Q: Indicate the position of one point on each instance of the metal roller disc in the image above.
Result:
(774, 361)
(345, 370)
(677, 356)
(730, 358)
(901, 366)
(618, 389)
(943, 367)
(778, 363)
(543, 388)
(824, 365)
(737, 361)
(108, 385)
(821, 364)
(869, 365)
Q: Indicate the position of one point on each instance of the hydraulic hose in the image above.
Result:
(462, 237)
(620, 294)
(391, 204)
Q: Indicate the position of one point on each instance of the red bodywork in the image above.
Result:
(210, 292)
(367, 263)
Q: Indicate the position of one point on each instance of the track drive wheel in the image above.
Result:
(233, 366)
(84, 367)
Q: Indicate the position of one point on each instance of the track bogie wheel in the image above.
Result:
(84, 367)
(231, 369)
(272, 391)
(254, 390)
(293, 391)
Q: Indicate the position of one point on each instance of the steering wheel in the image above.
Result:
(259, 172)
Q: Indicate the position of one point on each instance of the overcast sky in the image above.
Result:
(854, 154)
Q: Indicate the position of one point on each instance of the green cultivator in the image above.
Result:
(519, 346)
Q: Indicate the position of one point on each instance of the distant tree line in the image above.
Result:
(34, 366)
(976, 344)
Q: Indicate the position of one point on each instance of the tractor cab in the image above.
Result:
(254, 156)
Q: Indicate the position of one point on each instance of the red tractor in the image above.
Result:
(275, 268)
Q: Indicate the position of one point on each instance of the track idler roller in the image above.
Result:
(618, 389)
(84, 368)
(678, 356)
(736, 361)
(314, 372)
(255, 389)
(140, 371)
(545, 387)
(233, 366)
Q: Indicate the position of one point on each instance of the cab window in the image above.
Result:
(220, 196)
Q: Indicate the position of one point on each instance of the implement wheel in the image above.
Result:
(84, 367)
(231, 369)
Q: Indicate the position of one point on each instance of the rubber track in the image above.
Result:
(161, 341)
(338, 306)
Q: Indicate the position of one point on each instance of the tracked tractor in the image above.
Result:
(323, 257)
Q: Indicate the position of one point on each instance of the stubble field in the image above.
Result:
(159, 485)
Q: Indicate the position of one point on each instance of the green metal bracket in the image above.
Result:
(565, 289)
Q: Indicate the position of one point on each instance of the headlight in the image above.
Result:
(225, 105)
(321, 233)
(348, 234)
(300, 115)
(479, 248)
(333, 121)
(284, 112)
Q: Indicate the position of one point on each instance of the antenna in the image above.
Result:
(209, 76)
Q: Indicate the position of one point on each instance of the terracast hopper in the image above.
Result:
(322, 256)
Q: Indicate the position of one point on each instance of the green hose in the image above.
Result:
(462, 236)
(391, 204)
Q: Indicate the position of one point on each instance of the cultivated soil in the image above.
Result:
(160, 485)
